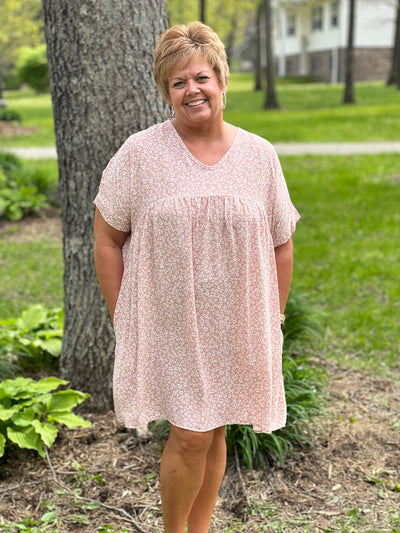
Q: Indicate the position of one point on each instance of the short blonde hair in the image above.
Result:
(183, 44)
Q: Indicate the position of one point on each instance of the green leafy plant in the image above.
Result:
(31, 68)
(9, 115)
(9, 162)
(24, 190)
(34, 337)
(31, 414)
(17, 203)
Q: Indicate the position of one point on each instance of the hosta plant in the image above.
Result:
(32, 412)
(34, 336)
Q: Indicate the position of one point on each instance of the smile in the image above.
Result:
(196, 103)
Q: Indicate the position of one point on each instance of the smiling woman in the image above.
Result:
(193, 253)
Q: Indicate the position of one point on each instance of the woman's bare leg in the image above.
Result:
(182, 473)
(203, 506)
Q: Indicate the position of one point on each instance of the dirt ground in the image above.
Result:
(10, 129)
(105, 479)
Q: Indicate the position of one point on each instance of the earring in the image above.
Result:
(172, 112)
(223, 100)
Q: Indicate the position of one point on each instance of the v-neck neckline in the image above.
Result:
(194, 158)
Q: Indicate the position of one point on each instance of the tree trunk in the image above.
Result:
(203, 11)
(100, 55)
(394, 71)
(230, 38)
(349, 86)
(257, 59)
(271, 101)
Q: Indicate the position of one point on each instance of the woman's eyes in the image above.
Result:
(200, 79)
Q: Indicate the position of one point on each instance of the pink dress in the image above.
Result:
(198, 338)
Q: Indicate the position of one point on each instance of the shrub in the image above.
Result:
(9, 162)
(34, 338)
(9, 115)
(31, 68)
(24, 190)
(31, 414)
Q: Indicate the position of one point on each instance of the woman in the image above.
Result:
(193, 238)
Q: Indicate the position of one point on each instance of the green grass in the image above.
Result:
(347, 253)
(31, 272)
(310, 112)
(314, 113)
(36, 112)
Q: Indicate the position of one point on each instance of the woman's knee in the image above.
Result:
(191, 442)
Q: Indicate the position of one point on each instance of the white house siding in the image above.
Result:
(321, 53)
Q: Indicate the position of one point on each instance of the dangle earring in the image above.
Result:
(172, 113)
(223, 100)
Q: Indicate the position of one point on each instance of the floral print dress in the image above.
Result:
(198, 337)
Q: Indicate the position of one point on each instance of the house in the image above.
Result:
(310, 39)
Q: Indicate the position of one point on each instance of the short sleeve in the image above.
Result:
(114, 198)
(283, 216)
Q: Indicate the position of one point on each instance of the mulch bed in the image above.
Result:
(10, 129)
(352, 474)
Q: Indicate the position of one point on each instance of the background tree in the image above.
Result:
(349, 73)
(203, 11)
(21, 23)
(394, 76)
(257, 58)
(229, 18)
(100, 56)
(271, 100)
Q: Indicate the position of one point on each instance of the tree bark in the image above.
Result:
(349, 97)
(394, 76)
(100, 56)
(271, 101)
(257, 59)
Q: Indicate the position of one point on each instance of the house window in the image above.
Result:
(316, 18)
(335, 14)
(289, 67)
(291, 24)
(315, 64)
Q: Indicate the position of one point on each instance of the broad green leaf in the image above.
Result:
(47, 384)
(6, 414)
(14, 386)
(48, 432)
(70, 420)
(65, 400)
(50, 333)
(32, 317)
(52, 346)
(8, 321)
(2, 444)
(26, 438)
(25, 417)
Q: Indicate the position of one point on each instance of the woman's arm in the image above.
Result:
(108, 243)
(284, 266)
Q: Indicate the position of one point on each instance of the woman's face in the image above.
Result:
(195, 92)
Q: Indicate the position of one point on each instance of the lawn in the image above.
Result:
(309, 112)
(347, 253)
